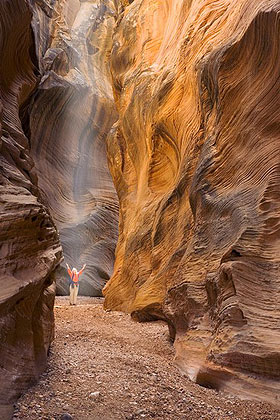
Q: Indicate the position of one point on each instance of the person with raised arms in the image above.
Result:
(74, 283)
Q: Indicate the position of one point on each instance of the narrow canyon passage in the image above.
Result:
(104, 366)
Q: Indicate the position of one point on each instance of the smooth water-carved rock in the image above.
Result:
(195, 160)
(69, 118)
(29, 245)
(56, 110)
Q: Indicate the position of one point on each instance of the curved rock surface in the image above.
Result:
(29, 244)
(195, 160)
(68, 119)
(56, 108)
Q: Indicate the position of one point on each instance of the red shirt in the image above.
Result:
(74, 276)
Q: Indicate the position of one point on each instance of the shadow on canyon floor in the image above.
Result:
(104, 366)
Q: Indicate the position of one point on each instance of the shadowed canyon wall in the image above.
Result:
(195, 157)
(68, 119)
(29, 244)
(56, 108)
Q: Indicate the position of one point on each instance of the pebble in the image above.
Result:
(66, 416)
(94, 395)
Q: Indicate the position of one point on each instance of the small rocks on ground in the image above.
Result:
(94, 395)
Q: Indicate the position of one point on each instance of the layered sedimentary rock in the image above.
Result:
(68, 120)
(195, 157)
(29, 244)
(56, 109)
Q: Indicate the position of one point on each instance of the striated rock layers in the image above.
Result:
(68, 119)
(56, 107)
(29, 245)
(195, 157)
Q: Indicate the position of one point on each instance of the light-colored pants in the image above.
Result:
(73, 294)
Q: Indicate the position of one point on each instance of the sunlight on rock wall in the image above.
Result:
(195, 161)
(68, 120)
(56, 108)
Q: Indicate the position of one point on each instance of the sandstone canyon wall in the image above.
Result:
(29, 244)
(56, 107)
(194, 154)
(195, 157)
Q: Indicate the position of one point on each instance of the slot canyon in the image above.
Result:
(142, 138)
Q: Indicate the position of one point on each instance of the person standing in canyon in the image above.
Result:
(74, 283)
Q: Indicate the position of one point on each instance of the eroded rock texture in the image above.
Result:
(29, 244)
(68, 120)
(56, 110)
(195, 158)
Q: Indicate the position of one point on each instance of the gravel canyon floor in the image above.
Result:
(102, 365)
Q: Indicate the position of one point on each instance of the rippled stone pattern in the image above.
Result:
(69, 117)
(195, 157)
(29, 244)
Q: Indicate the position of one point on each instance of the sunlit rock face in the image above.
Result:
(195, 157)
(68, 119)
(29, 244)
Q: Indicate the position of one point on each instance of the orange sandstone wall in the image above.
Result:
(195, 158)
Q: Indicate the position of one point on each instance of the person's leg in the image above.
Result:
(76, 294)
(71, 296)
